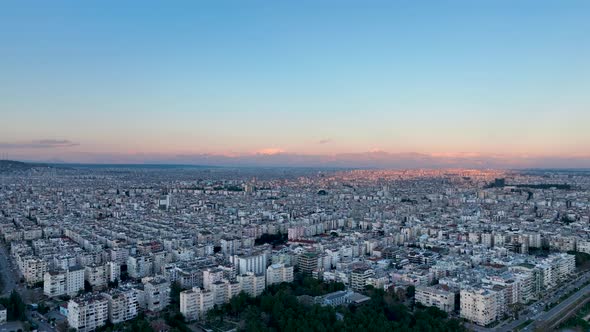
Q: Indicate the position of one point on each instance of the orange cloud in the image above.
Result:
(270, 151)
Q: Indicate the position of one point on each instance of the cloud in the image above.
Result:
(325, 141)
(39, 144)
(270, 151)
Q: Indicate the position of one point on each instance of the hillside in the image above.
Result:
(15, 166)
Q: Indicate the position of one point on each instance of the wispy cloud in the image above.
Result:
(325, 141)
(39, 144)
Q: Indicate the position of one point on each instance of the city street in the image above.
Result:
(8, 272)
(536, 311)
(10, 280)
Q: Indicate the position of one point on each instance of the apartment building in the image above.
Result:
(359, 277)
(123, 305)
(277, 273)
(88, 313)
(436, 296)
(96, 275)
(33, 269)
(308, 262)
(69, 282)
(140, 266)
(155, 295)
(194, 303)
(481, 306)
(251, 283)
(3, 314)
(250, 263)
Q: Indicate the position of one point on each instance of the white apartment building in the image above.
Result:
(69, 282)
(3, 314)
(224, 290)
(33, 269)
(481, 306)
(96, 275)
(250, 263)
(277, 273)
(564, 265)
(140, 266)
(487, 239)
(123, 305)
(155, 295)
(194, 303)
(119, 255)
(556, 268)
(251, 283)
(211, 276)
(359, 277)
(435, 297)
(113, 271)
(583, 246)
(88, 313)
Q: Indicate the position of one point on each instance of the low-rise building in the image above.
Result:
(432, 296)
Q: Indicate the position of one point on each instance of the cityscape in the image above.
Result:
(270, 166)
(192, 248)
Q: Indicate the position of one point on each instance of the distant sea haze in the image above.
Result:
(377, 159)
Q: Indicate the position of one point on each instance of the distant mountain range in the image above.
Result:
(12, 166)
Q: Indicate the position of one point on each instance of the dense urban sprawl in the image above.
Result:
(106, 245)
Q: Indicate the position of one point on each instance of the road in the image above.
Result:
(41, 321)
(10, 280)
(560, 309)
(541, 315)
(8, 271)
(547, 315)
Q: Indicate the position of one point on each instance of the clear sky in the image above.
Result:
(160, 78)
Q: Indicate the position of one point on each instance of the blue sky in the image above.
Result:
(300, 77)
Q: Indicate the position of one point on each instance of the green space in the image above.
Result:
(274, 239)
(582, 260)
(15, 307)
(578, 321)
(279, 309)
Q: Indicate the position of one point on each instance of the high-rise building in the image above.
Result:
(250, 263)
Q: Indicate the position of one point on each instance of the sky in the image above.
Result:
(407, 83)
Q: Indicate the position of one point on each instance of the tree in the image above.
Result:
(15, 306)
(113, 284)
(175, 290)
(43, 308)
